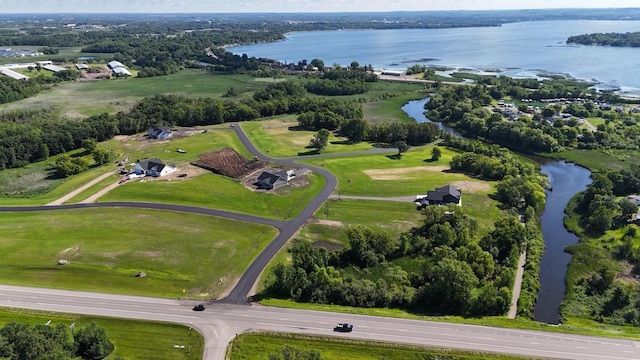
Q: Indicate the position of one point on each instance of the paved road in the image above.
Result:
(242, 289)
(220, 322)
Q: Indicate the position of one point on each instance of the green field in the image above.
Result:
(133, 340)
(612, 159)
(80, 99)
(275, 138)
(256, 346)
(105, 249)
(388, 110)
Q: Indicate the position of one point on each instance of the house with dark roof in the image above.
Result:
(160, 132)
(268, 180)
(153, 167)
(447, 194)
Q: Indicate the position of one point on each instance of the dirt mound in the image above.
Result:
(227, 162)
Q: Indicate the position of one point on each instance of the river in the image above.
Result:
(522, 49)
(565, 180)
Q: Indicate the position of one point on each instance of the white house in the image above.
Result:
(160, 132)
(153, 167)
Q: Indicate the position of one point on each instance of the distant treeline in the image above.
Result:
(630, 39)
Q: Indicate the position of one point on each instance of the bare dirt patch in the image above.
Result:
(96, 73)
(471, 186)
(401, 173)
(332, 223)
(227, 162)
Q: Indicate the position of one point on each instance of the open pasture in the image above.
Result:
(106, 248)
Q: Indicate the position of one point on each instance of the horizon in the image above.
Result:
(35, 7)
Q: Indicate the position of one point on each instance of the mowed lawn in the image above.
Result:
(106, 248)
(413, 174)
(280, 138)
(133, 339)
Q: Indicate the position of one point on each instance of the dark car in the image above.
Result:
(199, 307)
(343, 328)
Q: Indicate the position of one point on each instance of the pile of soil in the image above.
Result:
(228, 162)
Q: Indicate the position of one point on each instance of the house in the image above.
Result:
(118, 68)
(160, 132)
(82, 66)
(153, 167)
(634, 199)
(268, 180)
(447, 194)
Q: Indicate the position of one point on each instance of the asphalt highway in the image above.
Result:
(219, 323)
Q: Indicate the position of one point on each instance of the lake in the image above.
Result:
(522, 49)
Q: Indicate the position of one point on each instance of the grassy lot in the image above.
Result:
(388, 110)
(120, 94)
(380, 175)
(220, 192)
(600, 159)
(133, 340)
(275, 138)
(260, 345)
(33, 184)
(107, 247)
(383, 175)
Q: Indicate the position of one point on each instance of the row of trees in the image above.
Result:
(19, 341)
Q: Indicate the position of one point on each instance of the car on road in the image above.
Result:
(199, 307)
(343, 328)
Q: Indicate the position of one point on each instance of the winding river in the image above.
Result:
(566, 180)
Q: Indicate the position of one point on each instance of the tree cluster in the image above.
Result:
(20, 341)
(629, 39)
(599, 207)
(442, 266)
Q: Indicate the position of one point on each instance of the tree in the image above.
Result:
(89, 145)
(93, 343)
(402, 147)
(451, 287)
(320, 140)
(101, 156)
(292, 353)
(436, 153)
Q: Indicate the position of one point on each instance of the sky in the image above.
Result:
(244, 6)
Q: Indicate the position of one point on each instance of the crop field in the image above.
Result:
(126, 335)
(106, 248)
